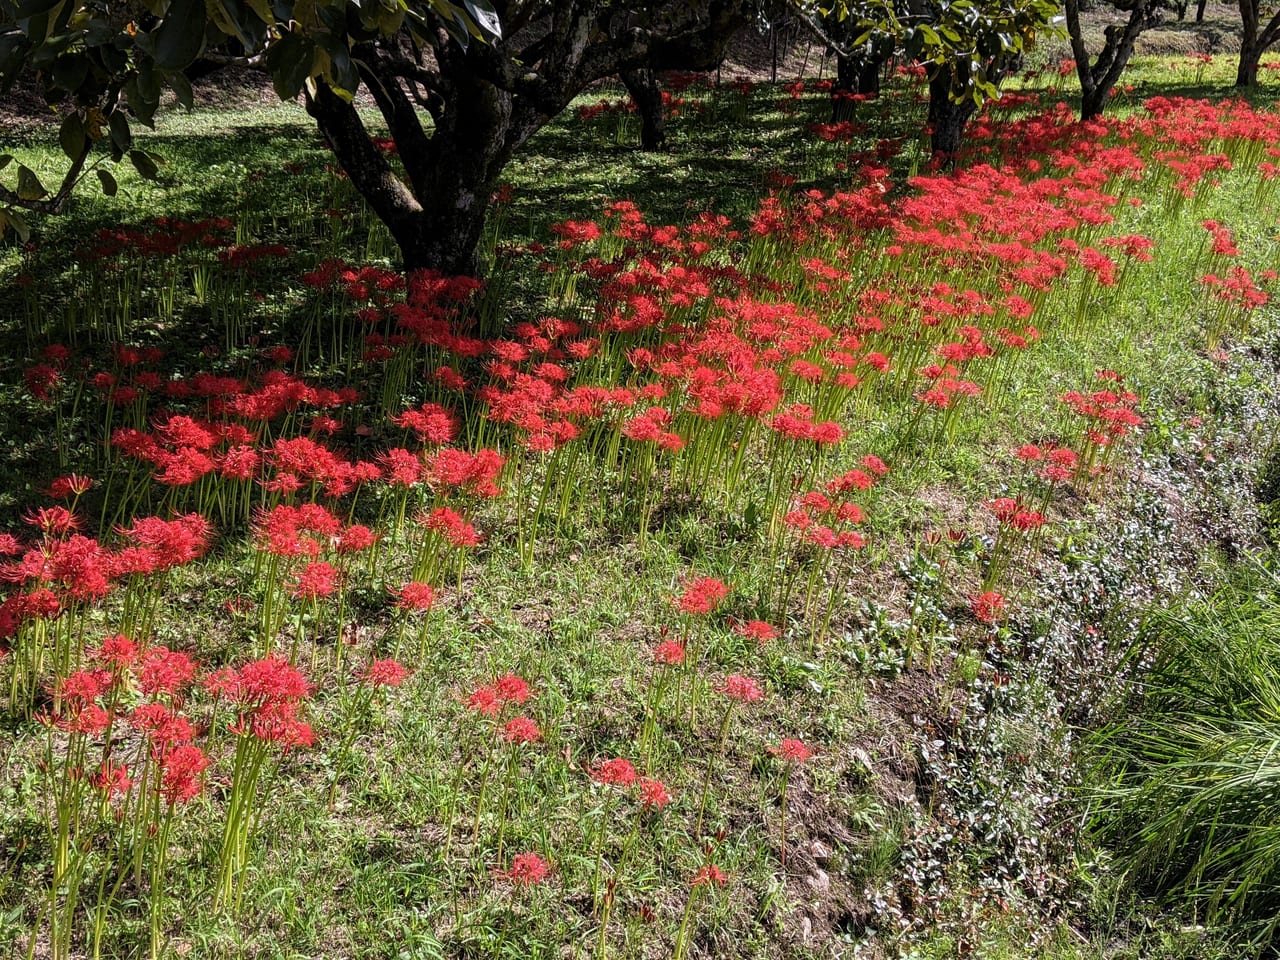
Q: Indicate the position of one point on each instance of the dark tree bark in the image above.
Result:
(646, 93)
(1252, 43)
(947, 118)
(1098, 77)
(1200, 5)
(854, 76)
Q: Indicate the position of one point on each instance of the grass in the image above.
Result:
(1192, 766)
(925, 825)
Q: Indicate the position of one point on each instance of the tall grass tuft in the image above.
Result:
(1192, 809)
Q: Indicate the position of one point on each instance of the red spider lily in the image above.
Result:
(55, 521)
(355, 538)
(259, 682)
(617, 772)
(119, 651)
(521, 730)
(792, 751)
(414, 596)
(181, 777)
(988, 607)
(276, 722)
(453, 527)
(89, 719)
(710, 875)
(669, 653)
(112, 779)
(163, 727)
(70, 486)
(431, 423)
(174, 542)
(526, 870)
(741, 688)
(315, 581)
(653, 793)
(485, 701)
(165, 672)
(702, 595)
(512, 689)
(757, 630)
(83, 686)
(384, 673)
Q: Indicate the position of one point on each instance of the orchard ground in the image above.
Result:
(784, 563)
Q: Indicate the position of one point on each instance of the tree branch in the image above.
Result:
(368, 169)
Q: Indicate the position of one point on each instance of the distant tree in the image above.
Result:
(1255, 38)
(1098, 76)
(966, 46)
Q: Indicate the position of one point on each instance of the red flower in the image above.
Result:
(384, 673)
(453, 527)
(521, 730)
(792, 751)
(741, 688)
(988, 607)
(276, 722)
(653, 793)
(415, 596)
(69, 486)
(355, 538)
(512, 689)
(757, 629)
(84, 686)
(316, 580)
(526, 870)
(180, 779)
(119, 651)
(702, 595)
(669, 653)
(261, 681)
(485, 701)
(617, 772)
(710, 874)
(112, 778)
(165, 671)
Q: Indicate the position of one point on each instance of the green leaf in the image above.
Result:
(180, 36)
(121, 135)
(485, 16)
(29, 185)
(72, 136)
(246, 21)
(12, 220)
(109, 185)
(144, 163)
(181, 88)
(70, 71)
(289, 60)
(34, 8)
(342, 73)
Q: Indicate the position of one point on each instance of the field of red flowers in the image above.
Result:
(629, 603)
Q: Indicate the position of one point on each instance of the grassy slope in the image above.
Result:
(360, 879)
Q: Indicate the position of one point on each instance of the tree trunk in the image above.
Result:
(947, 119)
(1200, 5)
(1099, 76)
(646, 94)
(853, 76)
(1247, 72)
(1250, 49)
